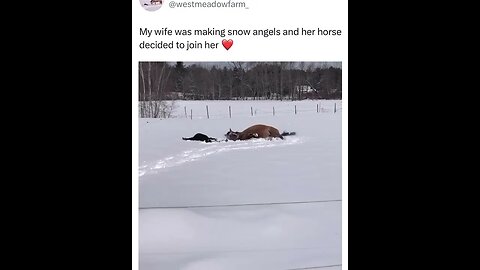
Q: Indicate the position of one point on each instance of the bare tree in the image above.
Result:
(159, 81)
(157, 75)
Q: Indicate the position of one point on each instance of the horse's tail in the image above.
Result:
(288, 133)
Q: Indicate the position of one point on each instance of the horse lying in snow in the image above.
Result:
(256, 131)
(200, 137)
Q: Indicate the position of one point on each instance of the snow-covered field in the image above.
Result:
(304, 169)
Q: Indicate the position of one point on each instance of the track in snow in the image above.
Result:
(212, 149)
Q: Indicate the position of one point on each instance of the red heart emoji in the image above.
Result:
(227, 43)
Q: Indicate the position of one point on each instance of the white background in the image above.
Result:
(262, 14)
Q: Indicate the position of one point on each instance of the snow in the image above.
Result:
(304, 167)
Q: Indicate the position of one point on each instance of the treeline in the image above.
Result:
(239, 80)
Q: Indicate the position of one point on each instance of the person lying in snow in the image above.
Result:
(200, 137)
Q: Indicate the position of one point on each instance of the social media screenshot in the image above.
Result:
(239, 134)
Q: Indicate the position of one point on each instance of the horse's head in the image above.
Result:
(232, 135)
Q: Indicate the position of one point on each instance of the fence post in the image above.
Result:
(191, 113)
(334, 107)
(251, 111)
(208, 116)
(273, 110)
(230, 111)
(186, 116)
(317, 107)
(295, 109)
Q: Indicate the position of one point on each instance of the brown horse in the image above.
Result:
(256, 131)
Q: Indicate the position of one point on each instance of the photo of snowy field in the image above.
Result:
(254, 204)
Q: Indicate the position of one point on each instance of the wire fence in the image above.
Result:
(238, 205)
(316, 267)
(248, 250)
(230, 109)
(224, 111)
(253, 250)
